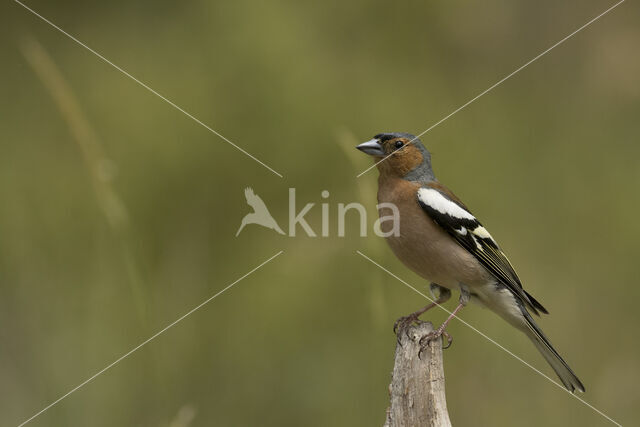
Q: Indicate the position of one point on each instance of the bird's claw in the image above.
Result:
(402, 324)
(449, 339)
(434, 335)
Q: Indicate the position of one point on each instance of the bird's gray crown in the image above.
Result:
(421, 173)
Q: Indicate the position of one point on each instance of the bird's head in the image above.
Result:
(399, 154)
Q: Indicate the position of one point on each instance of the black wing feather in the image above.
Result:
(483, 248)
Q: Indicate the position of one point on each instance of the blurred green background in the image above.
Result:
(109, 233)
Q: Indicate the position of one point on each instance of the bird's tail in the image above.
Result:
(564, 372)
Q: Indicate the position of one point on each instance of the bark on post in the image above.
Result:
(417, 385)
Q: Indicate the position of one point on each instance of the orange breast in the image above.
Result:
(424, 246)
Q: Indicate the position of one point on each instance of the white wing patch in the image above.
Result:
(478, 245)
(440, 203)
(482, 233)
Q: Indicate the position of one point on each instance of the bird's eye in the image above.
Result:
(399, 144)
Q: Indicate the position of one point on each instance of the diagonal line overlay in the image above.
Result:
(499, 82)
(177, 107)
(136, 348)
(492, 341)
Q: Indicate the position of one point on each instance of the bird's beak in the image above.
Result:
(372, 148)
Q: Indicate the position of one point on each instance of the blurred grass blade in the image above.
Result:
(99, 166)
(366, 192)
(184, 417)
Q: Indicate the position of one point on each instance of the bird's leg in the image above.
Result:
(424, 341)
(402, 323)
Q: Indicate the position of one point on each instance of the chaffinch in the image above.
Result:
(443, 242)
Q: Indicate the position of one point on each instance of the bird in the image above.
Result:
(260, 214)
(443, 242)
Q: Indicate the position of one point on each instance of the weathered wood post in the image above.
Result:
(417, 384)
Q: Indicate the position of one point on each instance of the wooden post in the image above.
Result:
(417, 384)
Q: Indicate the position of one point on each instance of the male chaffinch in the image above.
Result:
(442, 241)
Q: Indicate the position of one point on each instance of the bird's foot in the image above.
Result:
(402, 325)
(434, 335)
